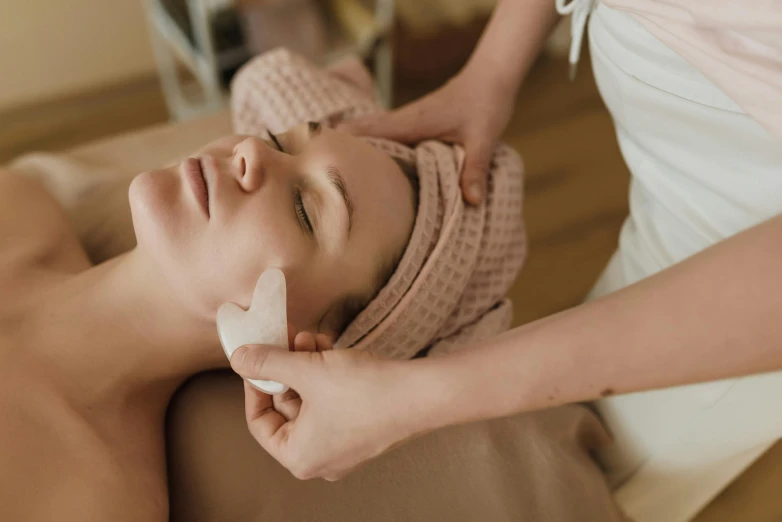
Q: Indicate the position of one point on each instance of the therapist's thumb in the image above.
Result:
(475, 172)
(270, 363)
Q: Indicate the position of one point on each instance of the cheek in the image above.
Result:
(258, 236)
(311, 292)
(166, 234)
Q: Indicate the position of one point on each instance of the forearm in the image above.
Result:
(713, 316)
(511, 42)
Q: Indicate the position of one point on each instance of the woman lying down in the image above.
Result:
(379, 253)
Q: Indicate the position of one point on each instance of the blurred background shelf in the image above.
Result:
(200, 44)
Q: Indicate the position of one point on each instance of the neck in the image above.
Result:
(117, 330)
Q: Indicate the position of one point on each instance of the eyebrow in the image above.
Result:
(338, 182)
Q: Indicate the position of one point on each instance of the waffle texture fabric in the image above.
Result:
(450, 286)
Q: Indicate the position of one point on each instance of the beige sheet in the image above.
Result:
(528, 468)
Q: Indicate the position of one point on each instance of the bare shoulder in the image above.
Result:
(58, 466)
(34, 229)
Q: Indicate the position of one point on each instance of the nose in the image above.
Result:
(251, 161)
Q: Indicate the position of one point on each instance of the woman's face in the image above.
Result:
(327, 208)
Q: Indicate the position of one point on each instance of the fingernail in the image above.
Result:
(475, 191)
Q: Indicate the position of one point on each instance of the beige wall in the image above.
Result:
(55, 48)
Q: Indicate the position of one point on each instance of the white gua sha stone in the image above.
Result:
(266, 322)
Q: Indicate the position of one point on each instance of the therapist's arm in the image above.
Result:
(713, 316)
(512, 41)
(484, 92)
(716, 315)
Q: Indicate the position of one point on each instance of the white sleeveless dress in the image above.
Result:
(702, 170)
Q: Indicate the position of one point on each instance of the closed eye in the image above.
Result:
(301, 213)
(276, 141)
(298, 201)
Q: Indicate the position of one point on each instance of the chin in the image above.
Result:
(153, 206)
(143, 207)
(153, 220)
(160, 220)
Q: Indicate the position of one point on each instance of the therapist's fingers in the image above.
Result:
(263, 420)
(323, 343)
(269, 363)
(304, 342)
(289, 403)
(477, 160)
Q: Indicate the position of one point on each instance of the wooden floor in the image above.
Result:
(576, 200)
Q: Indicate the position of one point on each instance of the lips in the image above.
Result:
(194, 173)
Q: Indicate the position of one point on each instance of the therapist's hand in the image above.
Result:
(348, 406)
(468, 110)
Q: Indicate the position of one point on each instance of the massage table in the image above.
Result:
(721, 429)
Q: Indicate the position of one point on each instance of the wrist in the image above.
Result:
(438, 393)
(486, 380)
(426, 389)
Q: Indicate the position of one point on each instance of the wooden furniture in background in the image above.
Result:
(199, 44)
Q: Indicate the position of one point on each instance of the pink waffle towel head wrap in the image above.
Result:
(450, 286)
